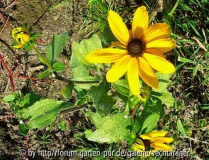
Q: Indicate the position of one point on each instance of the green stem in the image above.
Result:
(41, 57)
(174, 8)
(70, 80)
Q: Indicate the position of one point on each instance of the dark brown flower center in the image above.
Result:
(147, 144)
(135, 48)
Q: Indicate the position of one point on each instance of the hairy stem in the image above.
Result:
(41, 57)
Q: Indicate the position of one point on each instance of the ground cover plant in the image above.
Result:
(104, 79)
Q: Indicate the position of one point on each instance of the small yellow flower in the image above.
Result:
(21, 35)
(141, 50)
(155, 141)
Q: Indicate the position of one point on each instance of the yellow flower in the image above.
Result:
(21, 35)
(155, 141)
(141, 49)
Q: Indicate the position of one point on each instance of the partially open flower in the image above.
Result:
(141, 50)
(21, 35)
(155, 141)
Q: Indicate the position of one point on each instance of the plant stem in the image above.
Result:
(70, 80)
(8, 72)
(41, 57)
(174, 8)
(73, 109)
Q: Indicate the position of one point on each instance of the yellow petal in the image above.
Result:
(157, 31)
(154, 52)
(146, 73)
(161, 146)
(159, 64)
(108, 55)
(18, 46)
(25, 38)
(133, 76)
(140, 22)
(118, 69)
(19, 30)
(145, 136)
(118, 27)
(162, 140)
(163, 45)
(157, 134)
(118, 43)
(138, 145)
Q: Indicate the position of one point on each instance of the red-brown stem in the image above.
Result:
(34, 79)
(8, 72)
(11, 4)
(6, 21)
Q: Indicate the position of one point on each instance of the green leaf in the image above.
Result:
(67, 91)
(102, 102)
(9, 98)
(62, 125)
(23, 129)
(155, 105)
(27, 47)
(30, 99)
(44, 74)
(81, 73)
(112, 129)
(95, 118)
(122, 87)
(58, 66)
(180, 127)
(44, 113)
(80, 51)
(186, 8)
(162, 92)
(150, 122)
(15, 43)
(54, 49)
(34, 36)
(78, 63)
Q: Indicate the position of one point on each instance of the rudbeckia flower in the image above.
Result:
(155, 141)
(21, 35)
(141, 50)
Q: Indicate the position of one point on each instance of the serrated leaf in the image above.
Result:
(67, 91)
(180, 127)
(150, 122)
(54, 49)
(44, 113)
(122, 87)
(113, 129)
(58, 66)
(102, 102)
